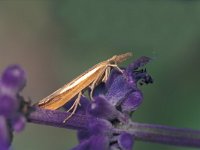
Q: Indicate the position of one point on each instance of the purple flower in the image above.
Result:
(12, 118)
(103, 123)
(113, 103)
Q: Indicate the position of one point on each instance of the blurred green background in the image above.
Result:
(57, 40)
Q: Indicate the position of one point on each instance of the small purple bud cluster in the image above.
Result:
(12, 81)
(113, 104)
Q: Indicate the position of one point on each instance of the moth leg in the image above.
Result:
(77, 99)
(94, 83)
(116, 66)
(103, 78)
(74, 107)
(107, 73)
(92, 88)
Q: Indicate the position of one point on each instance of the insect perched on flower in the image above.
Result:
(103, 123)
(91, 78)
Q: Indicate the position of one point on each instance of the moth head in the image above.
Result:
(119, 58)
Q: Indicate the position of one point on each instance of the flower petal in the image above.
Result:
(125, 141)
(138, 63)
(8, 105)
(101, 108)
(132, 102)
(118, 90)
(18, 123)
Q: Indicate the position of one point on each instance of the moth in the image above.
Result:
(89, 79)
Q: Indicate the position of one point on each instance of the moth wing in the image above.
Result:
(58, 94)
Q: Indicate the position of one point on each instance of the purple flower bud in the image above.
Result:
(18, 123)
(103, 109)
(125, 141)
(132, 102)
(5, 137)
(14, 78)
(12, 105)
(8, 105)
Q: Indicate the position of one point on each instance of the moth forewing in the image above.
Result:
(60, 97)
(97, 74)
